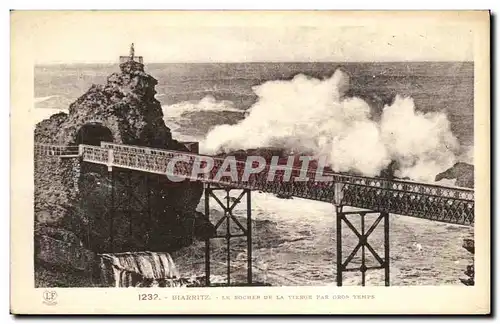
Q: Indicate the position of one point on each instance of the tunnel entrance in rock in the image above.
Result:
(93, 134)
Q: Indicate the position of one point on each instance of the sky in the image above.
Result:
(79, 37)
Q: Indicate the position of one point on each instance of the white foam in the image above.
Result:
(42, 99)
(306, 114)
(270, 207)
(208, 103)
(39, 114)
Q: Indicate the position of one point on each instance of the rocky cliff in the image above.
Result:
(73, 207)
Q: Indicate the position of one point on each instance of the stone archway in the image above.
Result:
(93, 134)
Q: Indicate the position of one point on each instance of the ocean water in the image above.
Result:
(196, 97)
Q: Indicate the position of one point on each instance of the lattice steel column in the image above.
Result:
(387, 245)
(362, 235)
(249, 237)
(227, 205)
(128, 200)
(111, 177)
(148, 209)
(339, 216)
(207, 241)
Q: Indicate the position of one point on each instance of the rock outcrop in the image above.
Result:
(462, 172)
(72, 199)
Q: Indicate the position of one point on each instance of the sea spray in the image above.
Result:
(314, 116)
(178, 115)
(137, 269)
(147, 269)
(207, 103)
(42, 99)
(422, 144)
(39, 114)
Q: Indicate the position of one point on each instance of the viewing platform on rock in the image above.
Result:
(131, 57)
(125, 59)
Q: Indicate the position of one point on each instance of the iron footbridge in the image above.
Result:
(370, 196)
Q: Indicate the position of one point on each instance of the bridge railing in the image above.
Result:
(448, 204)
(96, 154)
(55, 150)
(399, 185)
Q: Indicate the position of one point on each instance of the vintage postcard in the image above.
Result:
(232, 162)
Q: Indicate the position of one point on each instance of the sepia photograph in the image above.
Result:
(197, 150)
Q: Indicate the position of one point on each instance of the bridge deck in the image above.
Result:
(439, 203)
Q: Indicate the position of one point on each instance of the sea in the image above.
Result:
(198, 96)
(293, 237)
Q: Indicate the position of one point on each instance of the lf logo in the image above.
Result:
(49, 297)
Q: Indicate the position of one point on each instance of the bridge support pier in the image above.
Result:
(123, 203)
(227, 204)
(362, 236)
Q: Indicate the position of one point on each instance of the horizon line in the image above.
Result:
(250, 62)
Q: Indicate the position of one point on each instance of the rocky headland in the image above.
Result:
(74, 220)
